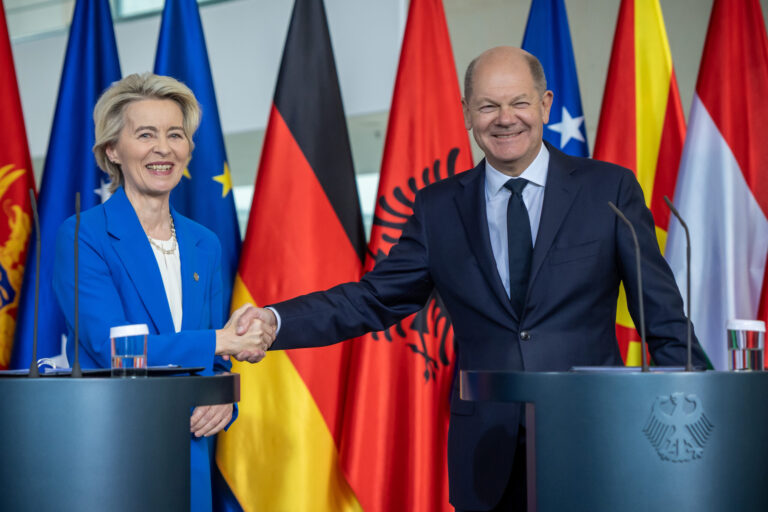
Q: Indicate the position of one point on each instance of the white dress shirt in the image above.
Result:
(170, 272)
(496, 199)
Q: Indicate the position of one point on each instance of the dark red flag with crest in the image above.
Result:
(16, 179)
(397, 408)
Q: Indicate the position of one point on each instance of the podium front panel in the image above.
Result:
(638, 442)
(100, 443)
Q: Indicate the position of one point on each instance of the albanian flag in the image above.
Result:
(397, 409)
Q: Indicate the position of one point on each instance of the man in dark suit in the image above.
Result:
(528, 259)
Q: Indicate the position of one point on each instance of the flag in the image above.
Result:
(722, 188)
(548, 37)
(304, 234)
(90, 66)
(205, 191)
(394, 449)
(16, 179)
(642, 126)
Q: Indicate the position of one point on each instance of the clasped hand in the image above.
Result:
(247, 335)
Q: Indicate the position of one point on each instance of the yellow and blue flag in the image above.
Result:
(205, 191)
(90, 66)
(548, 37)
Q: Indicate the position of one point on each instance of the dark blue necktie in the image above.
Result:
(519, 243)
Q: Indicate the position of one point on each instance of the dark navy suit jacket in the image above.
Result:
(120, 283)
(582, 253)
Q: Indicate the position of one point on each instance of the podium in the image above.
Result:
(635, 441)
(101, 443)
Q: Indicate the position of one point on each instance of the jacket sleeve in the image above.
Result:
(398, 286)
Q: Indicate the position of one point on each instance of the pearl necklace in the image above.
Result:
(173, 237)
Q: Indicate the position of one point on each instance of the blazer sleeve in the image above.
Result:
(101, 305)
(398, 286)
(665, 321)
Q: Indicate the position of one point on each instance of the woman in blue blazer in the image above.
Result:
(142, 262)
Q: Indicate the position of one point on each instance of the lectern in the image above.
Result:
(101, 443)
(637, 441)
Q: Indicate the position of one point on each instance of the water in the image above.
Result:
(745, 359)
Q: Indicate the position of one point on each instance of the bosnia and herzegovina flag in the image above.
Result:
(16, 179)
(304, 234)
(722, 190)
(394, 449)
(205, 191)
(90, 66)
(642, 126)
(548, 37)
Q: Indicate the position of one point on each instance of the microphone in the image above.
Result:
(76, 371)
(643, 344)
(33, 370)
(689, 362)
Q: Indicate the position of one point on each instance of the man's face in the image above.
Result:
(506, 113)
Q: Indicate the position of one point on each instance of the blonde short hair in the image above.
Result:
(109, 120)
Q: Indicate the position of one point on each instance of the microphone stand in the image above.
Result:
(689, 362)
(644, 346)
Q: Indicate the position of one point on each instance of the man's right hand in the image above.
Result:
(247, 335)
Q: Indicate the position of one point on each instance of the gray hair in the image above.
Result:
(109, 120)
(537, 72)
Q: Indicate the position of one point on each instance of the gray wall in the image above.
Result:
(245, 39)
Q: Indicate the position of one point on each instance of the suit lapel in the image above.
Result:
(558, 197)
(470, 200)
(135, 253)
(192, 278)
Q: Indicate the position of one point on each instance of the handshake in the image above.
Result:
(247, 335)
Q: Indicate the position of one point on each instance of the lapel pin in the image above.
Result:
(197, 277)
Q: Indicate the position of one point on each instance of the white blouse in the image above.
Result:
(170, 271)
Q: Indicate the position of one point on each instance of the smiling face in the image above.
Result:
(505, 112)
(153, 149)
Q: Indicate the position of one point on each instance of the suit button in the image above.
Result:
(525, 335)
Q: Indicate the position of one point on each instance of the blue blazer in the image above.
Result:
(120, 283)
(582, 253)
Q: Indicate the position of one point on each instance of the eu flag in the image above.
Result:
(205, 191)
(90, 66)
(548, 37)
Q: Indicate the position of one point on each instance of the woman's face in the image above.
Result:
(153, 149)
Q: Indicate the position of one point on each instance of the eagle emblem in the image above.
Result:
(678, 427)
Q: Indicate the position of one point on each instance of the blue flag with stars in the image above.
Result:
(90, 66)
(205, 191)
(548, 37)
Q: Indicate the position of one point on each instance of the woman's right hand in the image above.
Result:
(252, 344)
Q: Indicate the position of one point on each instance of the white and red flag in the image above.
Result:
(722, 188)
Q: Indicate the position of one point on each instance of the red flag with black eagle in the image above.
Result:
(304, 234)
(397, 409)
(16, 178)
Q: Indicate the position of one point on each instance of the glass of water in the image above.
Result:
(746, 345)
(129, 350)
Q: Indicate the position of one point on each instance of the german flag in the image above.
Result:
(394, 450)
(16, 178)
(642, 126)
(304, 234)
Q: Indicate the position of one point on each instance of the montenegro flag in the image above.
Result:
(642, 126)
(16, 179)
(304, 234)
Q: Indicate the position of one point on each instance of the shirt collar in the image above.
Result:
(536, 173)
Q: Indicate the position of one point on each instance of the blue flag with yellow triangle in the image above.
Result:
(90, 66)
(205, 191)
(548, 37)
